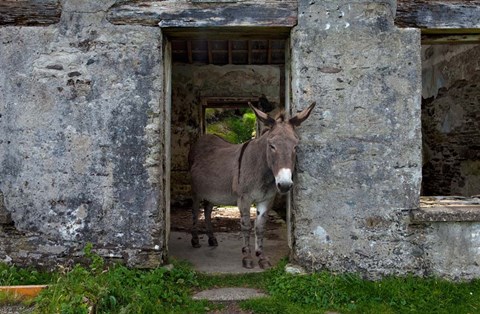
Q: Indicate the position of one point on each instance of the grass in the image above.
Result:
(98, 288)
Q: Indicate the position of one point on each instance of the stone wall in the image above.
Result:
(85, 134)
(190, 83)
(81, 124)
(359, 163)
(451, 120)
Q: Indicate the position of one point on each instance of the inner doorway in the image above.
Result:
(211, 72)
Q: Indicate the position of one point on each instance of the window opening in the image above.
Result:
(230, 118)
(450, 128)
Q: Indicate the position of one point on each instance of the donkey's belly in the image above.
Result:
(219, 198)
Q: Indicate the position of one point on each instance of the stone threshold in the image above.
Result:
(229, 294)
(447, 209)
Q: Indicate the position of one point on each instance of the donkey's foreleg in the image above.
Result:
(245, 226)
(212, 241)
(195, 208)
(262, 211)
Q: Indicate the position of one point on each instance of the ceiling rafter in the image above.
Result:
(231, 51)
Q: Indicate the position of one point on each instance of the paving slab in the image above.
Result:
(229, 294)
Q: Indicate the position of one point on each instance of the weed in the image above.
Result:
(98, 288)
(13, 275)
(117, 289)
(323, 291)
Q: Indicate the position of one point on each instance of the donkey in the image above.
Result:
(242, 174)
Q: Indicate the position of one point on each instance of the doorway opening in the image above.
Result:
(213, 78)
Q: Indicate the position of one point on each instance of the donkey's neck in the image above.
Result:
(254, 173)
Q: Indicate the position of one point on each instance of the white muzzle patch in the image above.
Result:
(283, 179)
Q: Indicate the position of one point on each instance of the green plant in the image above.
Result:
(231, 127)
(117, 289)
(347, 293)
(98, 288)
(12, 275)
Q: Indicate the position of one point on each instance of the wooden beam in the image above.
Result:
(226, 33)
(435, 14)
(189, 51)
(30, 12)
(209, 52)
(450, 39)
(269, 52)
(280, 13)
(230, 57)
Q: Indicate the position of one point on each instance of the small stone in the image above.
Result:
(295, 269)
(168, 267)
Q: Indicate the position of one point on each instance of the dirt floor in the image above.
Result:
(226, 258)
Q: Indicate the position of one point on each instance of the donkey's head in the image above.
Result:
(282, 141)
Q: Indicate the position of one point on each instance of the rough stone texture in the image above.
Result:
(85, 127)
(190, 83)
(451, 250)
(444, 208)
(229, 294)
(449, 229)
(184, 13)
(359, 163)
(80, 132)
(451, 120)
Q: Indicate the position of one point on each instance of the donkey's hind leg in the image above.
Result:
(195, 208)
(212, 241)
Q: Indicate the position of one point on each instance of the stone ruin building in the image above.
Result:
(100, 100)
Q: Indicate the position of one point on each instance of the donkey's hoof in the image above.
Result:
(212, 242)
(247, 262)
(196, 243)
(264, 263)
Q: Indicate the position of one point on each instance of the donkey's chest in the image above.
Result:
(260, 190)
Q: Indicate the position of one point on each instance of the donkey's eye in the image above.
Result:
(272, 147)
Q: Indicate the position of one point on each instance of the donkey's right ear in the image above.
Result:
(262, 116)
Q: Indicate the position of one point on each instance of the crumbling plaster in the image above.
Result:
(81, 124)
(359, 164)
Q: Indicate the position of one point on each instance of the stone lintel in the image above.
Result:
(189, 14)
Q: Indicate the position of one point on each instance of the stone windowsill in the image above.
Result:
(447, 208)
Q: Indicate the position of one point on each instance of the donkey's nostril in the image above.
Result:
(284, 187)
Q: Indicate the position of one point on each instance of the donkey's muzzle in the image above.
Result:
(284, 180)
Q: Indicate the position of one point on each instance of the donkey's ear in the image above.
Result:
(302, 116)
(262, 116)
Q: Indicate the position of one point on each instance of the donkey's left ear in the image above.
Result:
(302, 116)
(262, 116)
